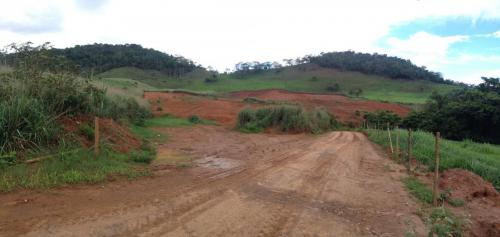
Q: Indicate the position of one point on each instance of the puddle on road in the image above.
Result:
(217, 163)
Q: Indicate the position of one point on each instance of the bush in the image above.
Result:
(333, 88)
(194, 119)
(286, 119)
(356, 92)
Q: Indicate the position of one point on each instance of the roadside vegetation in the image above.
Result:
(286, 119)
(73, 165)
(480, 158)
(40, 89)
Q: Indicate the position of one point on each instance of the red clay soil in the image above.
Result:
(342, 106)
(482, 201)
(225, 110)
(118, 137)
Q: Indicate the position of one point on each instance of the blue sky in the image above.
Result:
(473, 48)
(459, 38)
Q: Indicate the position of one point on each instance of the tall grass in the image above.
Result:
(39, 90)
(480, 158)
(286, 119)
(78, 166)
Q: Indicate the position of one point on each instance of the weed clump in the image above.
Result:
(442, 222)
(194, 119)
(286, 119)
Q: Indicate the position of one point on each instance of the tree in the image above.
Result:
(470, 113)
(490, 84)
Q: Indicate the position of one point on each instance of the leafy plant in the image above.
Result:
(444, 223)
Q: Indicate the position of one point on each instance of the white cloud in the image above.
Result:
(424, 48)
(497, 34)
(221, 33)
(474, 77)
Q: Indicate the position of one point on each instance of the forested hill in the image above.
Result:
(103, 57)
(377, 64)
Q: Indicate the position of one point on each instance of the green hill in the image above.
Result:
(300, 78)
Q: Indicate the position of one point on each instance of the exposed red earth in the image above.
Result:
(336, 184)
(225, 110)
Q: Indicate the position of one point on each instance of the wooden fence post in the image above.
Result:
(96, 135)
(390, 139)
(436, 172)
(397, 142)
(409, 149)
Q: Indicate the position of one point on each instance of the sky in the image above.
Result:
(459, 38)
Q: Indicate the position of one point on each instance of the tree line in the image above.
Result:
(468, 113)
(102, 57)
(378, 64)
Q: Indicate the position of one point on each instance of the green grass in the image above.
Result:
(78, 166)
(147, 132)
(480, 158)
(418, 189)
(312, 79)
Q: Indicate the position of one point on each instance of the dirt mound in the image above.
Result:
(342, 106)
(481, 198)
(466, 185)
(118, 137)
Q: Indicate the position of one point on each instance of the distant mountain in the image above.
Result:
(376, 64)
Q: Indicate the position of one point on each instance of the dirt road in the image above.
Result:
(336, 184)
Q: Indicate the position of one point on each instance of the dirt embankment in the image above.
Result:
(118, 137)
(481, 200)
(336, 184)
(225, 110)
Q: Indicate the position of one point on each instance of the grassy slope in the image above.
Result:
(294, 79)
(482, 159)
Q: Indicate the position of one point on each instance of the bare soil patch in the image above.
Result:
(225, 110)
(482, 201)
(334, 184)
(342, 106)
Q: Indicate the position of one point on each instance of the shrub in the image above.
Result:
(286, 119)
(194, 119)
(355, 92)
(333, 88)
(245, 117)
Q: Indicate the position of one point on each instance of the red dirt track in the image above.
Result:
(225, 110)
